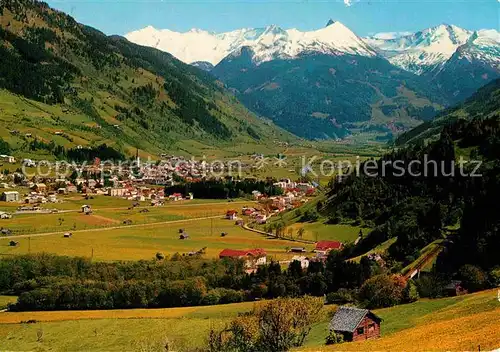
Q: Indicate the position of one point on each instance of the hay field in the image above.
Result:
(122, 330)
(110, 212)
(144, 241)
(451, 324)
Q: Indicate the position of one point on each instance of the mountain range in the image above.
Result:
(331, 83)
(418, 52)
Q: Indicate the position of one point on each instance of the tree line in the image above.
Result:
(222, 189)
(48, 282)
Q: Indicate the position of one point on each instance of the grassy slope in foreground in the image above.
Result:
(453, 324)
(458, 323)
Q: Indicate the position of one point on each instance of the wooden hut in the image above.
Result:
(355, 324)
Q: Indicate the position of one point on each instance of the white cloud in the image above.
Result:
(349, 3)
(390, 35)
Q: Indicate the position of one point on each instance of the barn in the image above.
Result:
(355, 324)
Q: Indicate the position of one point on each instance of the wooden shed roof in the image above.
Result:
(348, 318)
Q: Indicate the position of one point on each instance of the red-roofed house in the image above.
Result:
(252, 257)
(175, 197)
(324, 247)
(231, 215)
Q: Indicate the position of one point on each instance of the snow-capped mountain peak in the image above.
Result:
(482, 46)
(330, 22)
(422, 51)
(267, 43)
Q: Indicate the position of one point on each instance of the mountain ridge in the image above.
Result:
(271, 42)
(419, 52)
(59, 75)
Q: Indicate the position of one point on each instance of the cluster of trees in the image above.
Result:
(47, 282)
(221, 189)
(102, 151)
(4, 147)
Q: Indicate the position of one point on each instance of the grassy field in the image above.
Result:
(110, 212)
(156, 230)
(453, 324)
(144, 241)
(141, 329)
(317, 230)
(5, 300)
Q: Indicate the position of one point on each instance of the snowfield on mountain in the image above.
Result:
(267, 43)
(419, 52)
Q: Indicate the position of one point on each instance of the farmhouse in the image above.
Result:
(231, 215)
(4, 215)
(355, 324)
(175, 197)
(86, 209)
(304, 261)
(117, 192)
(252, 257)
(248, 211)
(8, 158)
(40, 187)
(324, 247)
(10, 196)
(261, 219)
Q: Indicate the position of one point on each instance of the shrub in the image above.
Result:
(473, 278)
(342, 296)
(495, 277)
(333, 338)
(429, 286)
(211, 298)
(382, 291)
(410, 292)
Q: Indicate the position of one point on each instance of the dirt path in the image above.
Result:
(245, 227)
(97, 229)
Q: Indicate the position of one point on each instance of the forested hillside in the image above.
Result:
(482, 104)
(58, 75)
(420, 193)
(326, 96)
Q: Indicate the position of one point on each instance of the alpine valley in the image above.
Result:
(331, 83)
(65, 87)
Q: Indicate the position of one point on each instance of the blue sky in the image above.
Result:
(363, 16)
